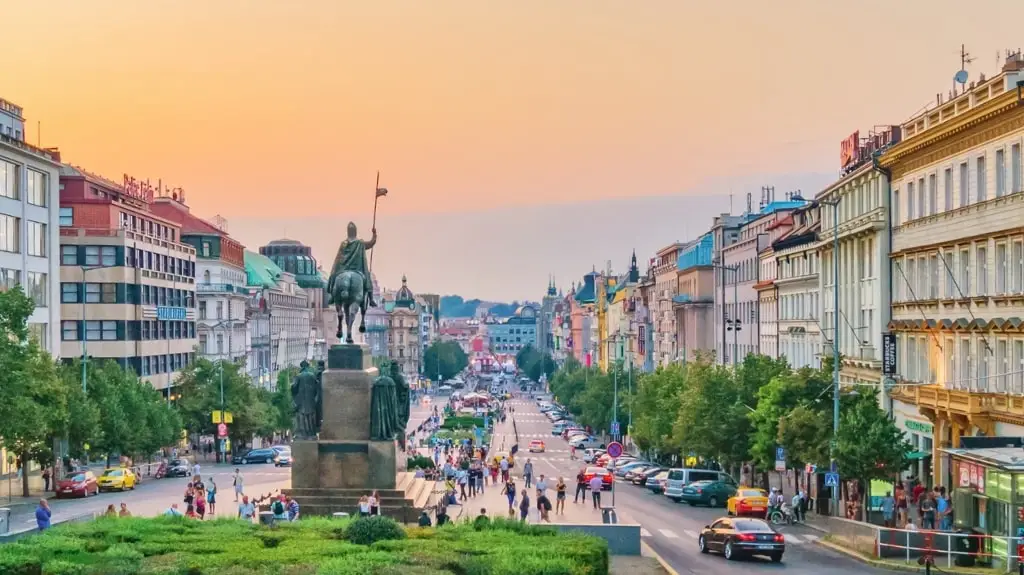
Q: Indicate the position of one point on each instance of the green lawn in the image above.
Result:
(173, 546)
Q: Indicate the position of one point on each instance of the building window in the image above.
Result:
(982, 266)
(1017, 266)
(69, 330)
(67, 217)
(9, 180)
(92, 293)
(895, 210)
(9, 233)
(947, 259)
(1015, 182)
(965, 364)
(9, 279)
(37, 188)
(984, 354)
(109, 330)
(965, 271)
(1018, 366)
(37, 239)
(1002, 365)
(982, 175)
(92, 255)
(69, 293)
(69, 255)
(220, 343)
(108, 256)
(36, 288)
(109, 293)
(93, 330)
(910, 201)
(1002, 267)
(1000, 173)
(965, 180)
(206, 249)
(922, 201)
(947, 183)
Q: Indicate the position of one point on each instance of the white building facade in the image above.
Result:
(222, 298)
(797, 284)
(768, 304)
(29, 225)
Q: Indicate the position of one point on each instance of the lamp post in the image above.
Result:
(736, 324)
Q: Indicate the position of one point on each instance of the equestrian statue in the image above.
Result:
(350, 284)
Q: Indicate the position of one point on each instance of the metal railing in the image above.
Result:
(947, 548)
(220, 287)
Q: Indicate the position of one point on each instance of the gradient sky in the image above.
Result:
(278, 114)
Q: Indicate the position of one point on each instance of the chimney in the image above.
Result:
(55, 152)
(1014, 63)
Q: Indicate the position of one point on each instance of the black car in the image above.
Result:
(739, 537)
(640, 477)
(266, 455)
(180, 467)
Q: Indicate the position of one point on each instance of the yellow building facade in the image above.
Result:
(957, 269)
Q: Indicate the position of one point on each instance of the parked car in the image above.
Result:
(678, 478)
(605, 460)
(639, 470)
(737, 538)
(264, 455)
(80, 484)
(180, 467)
(657, 482)
(710, 493)
(604, 474)
(623, 468)
(590, 455)
(641, 477)
(748, 501)
(118, 478)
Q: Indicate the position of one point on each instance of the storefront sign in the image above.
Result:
(918, 426)
(889, 354)
(965, 475)
(171, 313)
(142, 190)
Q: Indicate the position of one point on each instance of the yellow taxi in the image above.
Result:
(118, 478)
(537, 446)
(748, 501)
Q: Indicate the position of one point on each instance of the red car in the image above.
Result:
(604, 474)
(81, 484)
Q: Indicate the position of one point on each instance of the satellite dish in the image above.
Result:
(961, 77)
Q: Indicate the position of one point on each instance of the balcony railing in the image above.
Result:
(27, 147)
(228, 288)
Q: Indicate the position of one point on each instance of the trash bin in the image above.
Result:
(266, 518)
(608, 515)
(5, 520)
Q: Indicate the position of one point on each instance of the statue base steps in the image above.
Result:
(404, 502)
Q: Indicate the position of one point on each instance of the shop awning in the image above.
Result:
(915, 455)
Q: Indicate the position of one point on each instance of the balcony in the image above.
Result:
(221, 288)
(685, 298)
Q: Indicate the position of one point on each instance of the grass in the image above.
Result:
(178, 546)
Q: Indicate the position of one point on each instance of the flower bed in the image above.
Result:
(375, 546)
(462, 422)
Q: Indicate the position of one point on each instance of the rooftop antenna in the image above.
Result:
(961, 76)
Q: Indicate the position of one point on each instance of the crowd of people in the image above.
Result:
(914, 506)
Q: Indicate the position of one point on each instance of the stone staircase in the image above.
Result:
(404, 503)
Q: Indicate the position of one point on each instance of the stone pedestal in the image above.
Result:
(331, 473)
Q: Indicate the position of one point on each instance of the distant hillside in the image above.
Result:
(455, 306)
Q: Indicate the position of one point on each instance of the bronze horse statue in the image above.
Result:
(348, 293)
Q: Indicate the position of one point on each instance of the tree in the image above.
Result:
(721, 437)
(83, 424)
(444, 358)
(281, 401)
(868, 444)
(200, 386)
(535, 363)
(655, 406)
(33, 402)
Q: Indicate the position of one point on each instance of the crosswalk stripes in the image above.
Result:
(791, 538)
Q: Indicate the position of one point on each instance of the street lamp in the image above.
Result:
(85, 331)
(734, 325)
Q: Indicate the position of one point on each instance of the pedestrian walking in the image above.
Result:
(524, 506)
(510, 492)
(528, 473)
(595, 490)
(581, 487)
(543, 506)
(364, 506)
(236, 480)
(542, 484)
(47, 474)
(888, 509)
(472, 481)
(200, 504)
(211, 497)
(504, 469)
(293, 509)
(480, 474)
(463, 479)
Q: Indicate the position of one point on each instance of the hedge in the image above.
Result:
(179, 546)
(462, 422)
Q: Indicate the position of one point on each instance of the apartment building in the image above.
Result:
(127, 280)
(666, 282)
(695, 299)
(767, 303)
(796, 265)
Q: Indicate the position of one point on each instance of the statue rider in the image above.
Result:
(351, 256)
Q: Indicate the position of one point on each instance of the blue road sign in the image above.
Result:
(831, 479)
(615, 428)
(780, 453)
(834, 467)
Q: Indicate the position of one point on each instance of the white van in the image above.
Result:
(681, 477)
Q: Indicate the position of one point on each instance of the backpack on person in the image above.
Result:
(278, 508)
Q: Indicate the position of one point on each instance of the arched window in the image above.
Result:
(206, 277)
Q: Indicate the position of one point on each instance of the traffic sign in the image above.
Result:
(614, 450)
(615, 429)
(780, 453)
(780, 465)
(222, 430)
(831, 479)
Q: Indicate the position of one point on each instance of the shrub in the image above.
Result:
(369, 530)
(420, 462)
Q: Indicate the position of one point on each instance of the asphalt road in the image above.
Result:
(671, 528)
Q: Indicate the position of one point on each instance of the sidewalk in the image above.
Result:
(496, 504)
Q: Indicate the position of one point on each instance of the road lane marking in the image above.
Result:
(668, 533)
(644, 532)
(811, 538)
(690, 533)
(793, 538)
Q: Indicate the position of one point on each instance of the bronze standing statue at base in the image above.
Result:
(306, 399)
(384, 409)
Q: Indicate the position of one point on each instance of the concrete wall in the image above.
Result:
(623, 539)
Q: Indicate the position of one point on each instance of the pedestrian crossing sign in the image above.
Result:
(831, 479)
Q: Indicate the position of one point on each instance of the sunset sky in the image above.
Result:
(479, 114)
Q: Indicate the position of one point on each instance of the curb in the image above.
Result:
(644, 547)
(899, 567)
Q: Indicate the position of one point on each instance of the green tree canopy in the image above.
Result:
(444, 358)
(655, 404)
(534, 363)
(200, 387)
(868, 444)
